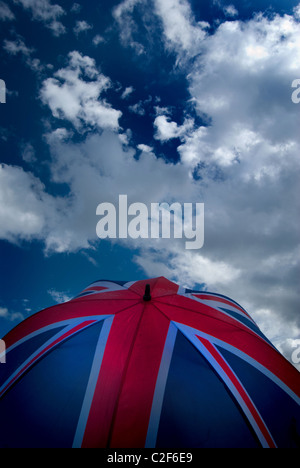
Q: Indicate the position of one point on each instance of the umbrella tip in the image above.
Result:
(147, 295)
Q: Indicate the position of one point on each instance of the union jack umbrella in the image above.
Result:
(146, 364)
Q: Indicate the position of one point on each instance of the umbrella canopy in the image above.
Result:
(146, 364)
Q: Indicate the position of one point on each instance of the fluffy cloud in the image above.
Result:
(81, 26)
(245, 72)
(98, 40)
(167, 130)
(240, 84)
(230, 11)
(172, 18)
(58, 296)
(18, 47)
(76, 8)
(127, 92)
(187, 268)
(181, 31)
(145, 148)
(99, 170)
(246, 159)
(12, 316)
(122, 14)
(95, 171)
(46, 12)
(3, 312)
(5, 12)
(74, 94)
(24, 213)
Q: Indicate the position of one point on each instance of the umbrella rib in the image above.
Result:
(239, 327)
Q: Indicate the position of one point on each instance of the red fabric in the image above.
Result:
(206, 297)
(111, 377)
(136, 396)
(109, 304)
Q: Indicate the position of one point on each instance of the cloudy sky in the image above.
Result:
(161, 100)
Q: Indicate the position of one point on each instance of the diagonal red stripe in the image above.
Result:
(240, 389)
(205, 319)
(45, 350)
(107, 304)
(206, 297)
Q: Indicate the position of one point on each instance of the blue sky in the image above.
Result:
(161, 100)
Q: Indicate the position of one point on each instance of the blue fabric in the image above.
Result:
(198, 410)
(21, 353)
(280, 412)
(42, 409)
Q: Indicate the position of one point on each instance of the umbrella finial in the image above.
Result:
(147, 295)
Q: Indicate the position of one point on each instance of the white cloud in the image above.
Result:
(230, 11)
(126, 6)
(46, 12)
(127, 92)
(98, 40)
(28, 153)
(187, 268)
(24, 213)
(82, 26)
(11, 316)
(3, 312)
(74, 94)
(145, 148)
(18, 46)
(122, 14)
(97, 171)
(137, 108)
(76, 8)
(59, 296)
(167, 129)
(5, 12)
(240, 85)
(181, 31)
